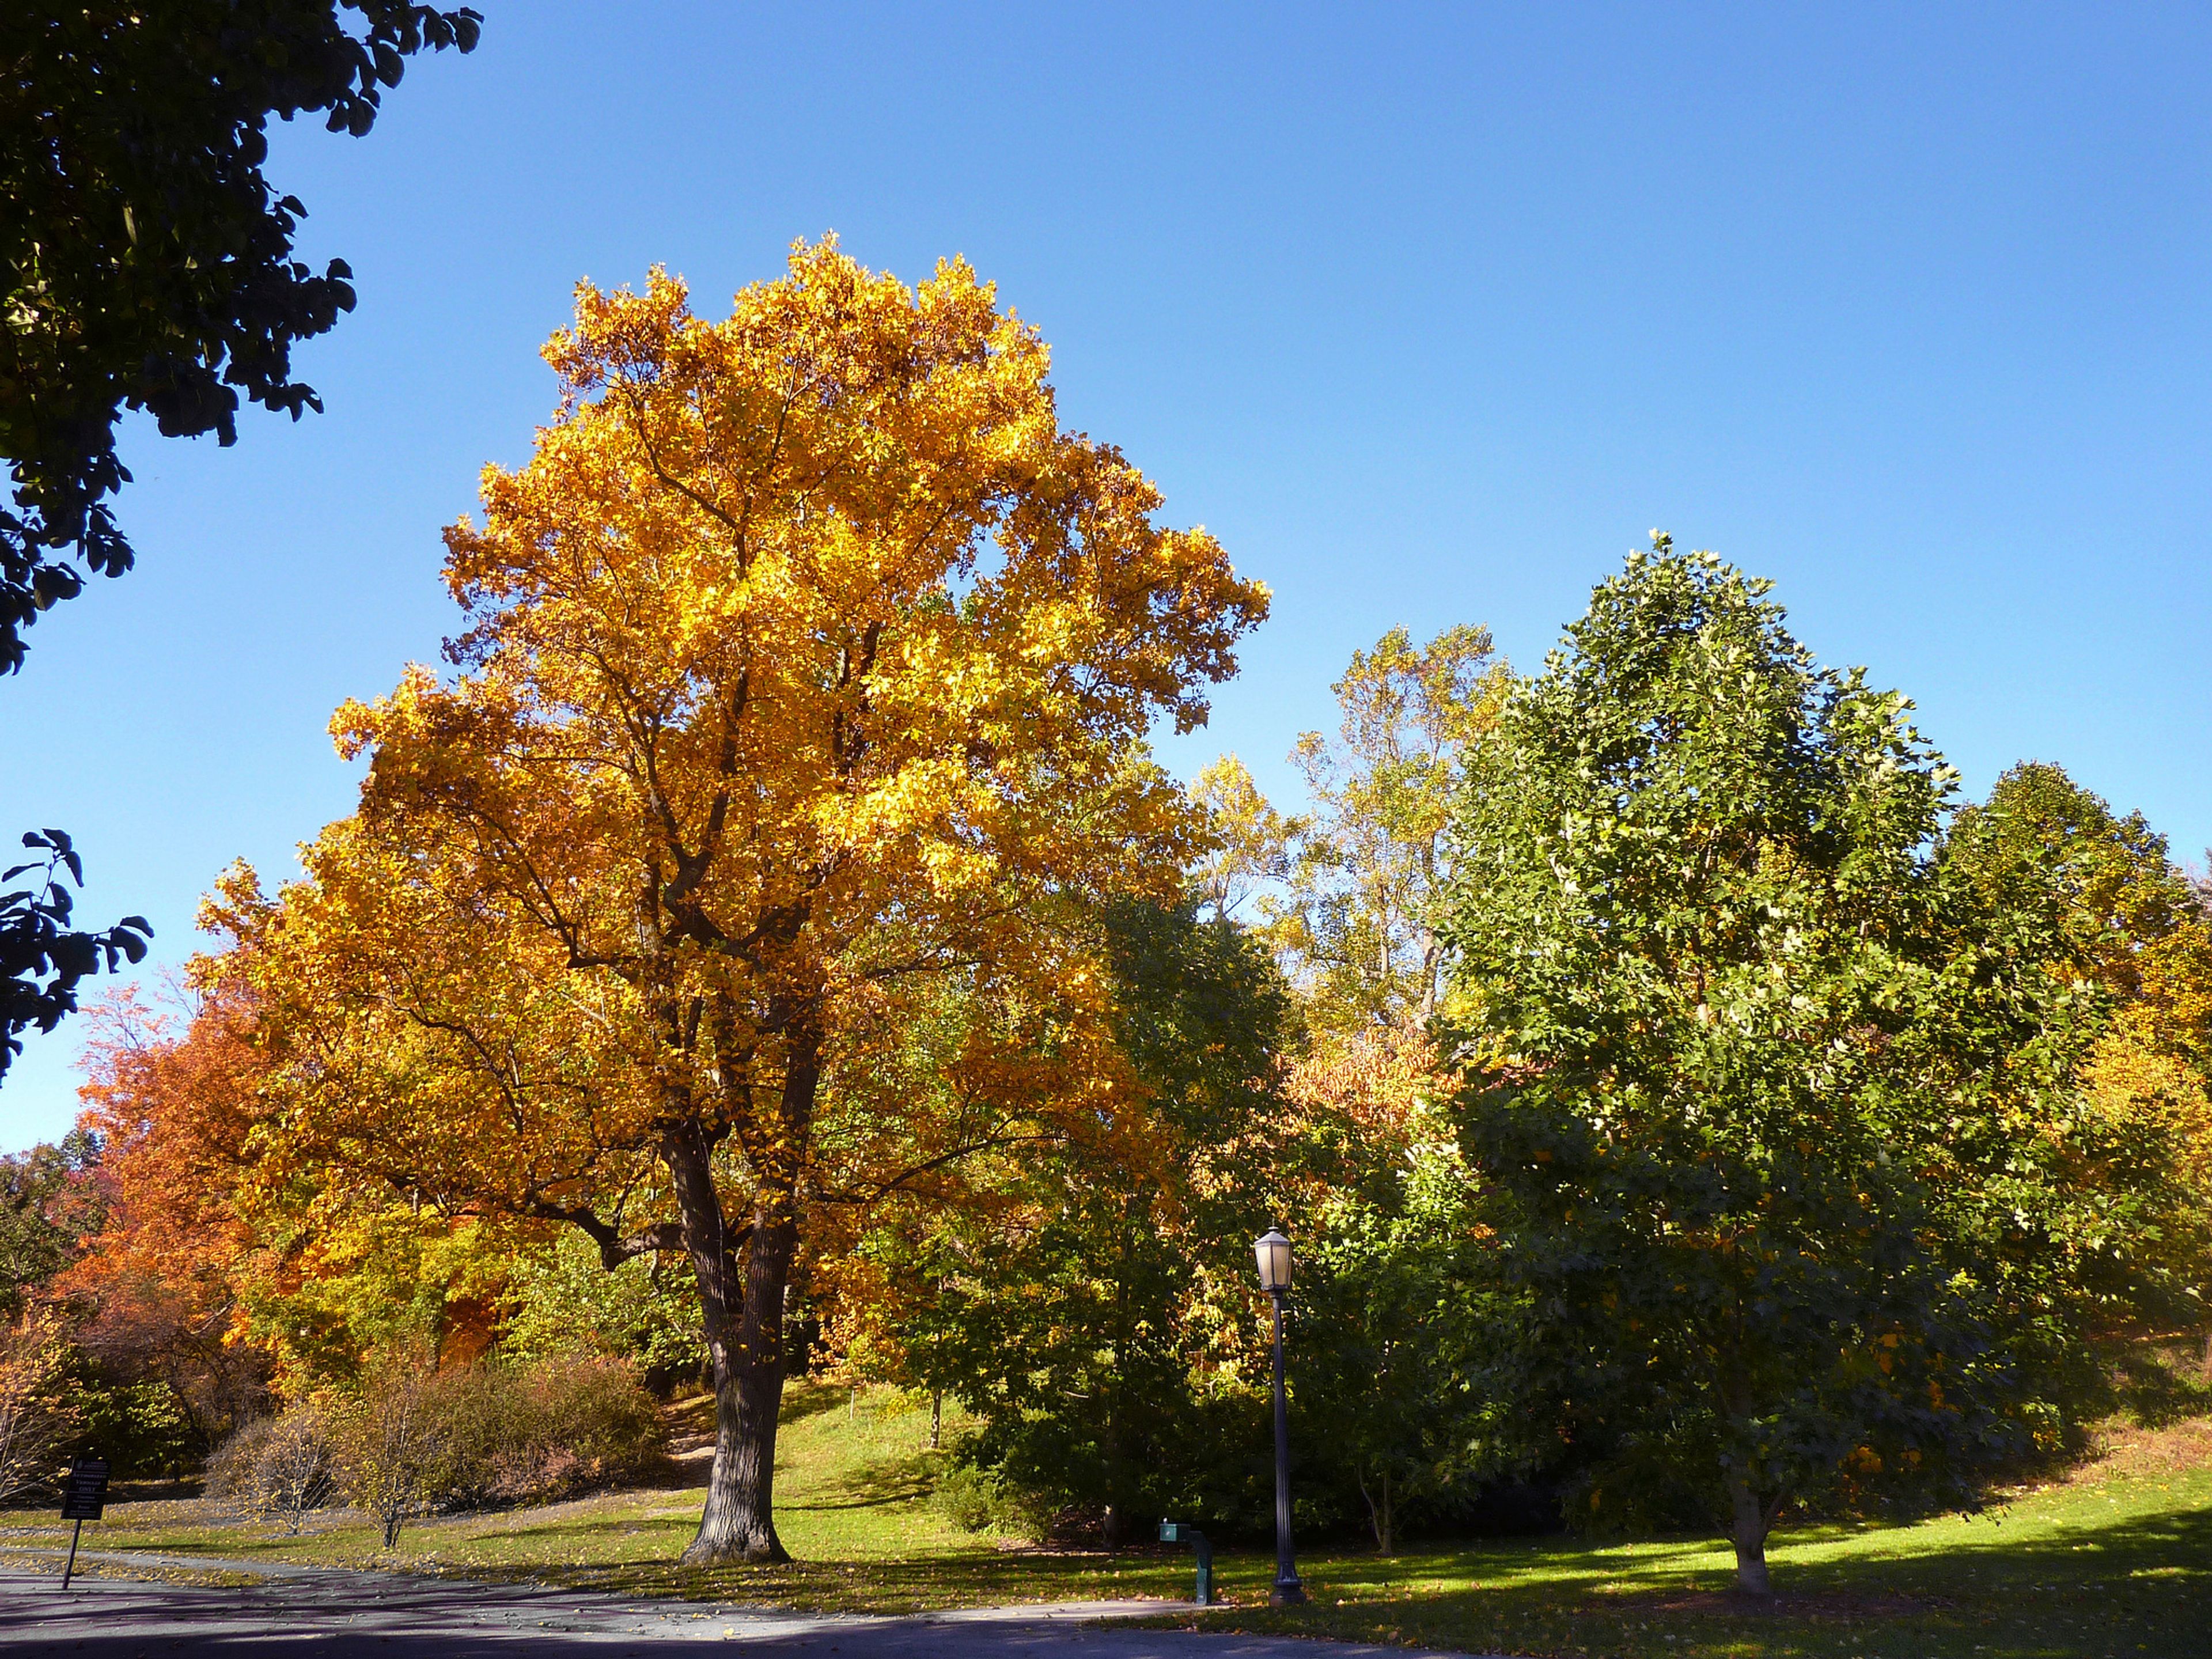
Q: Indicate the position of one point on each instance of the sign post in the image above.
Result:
(82, 1498)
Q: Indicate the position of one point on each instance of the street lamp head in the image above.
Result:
(1274, 1251)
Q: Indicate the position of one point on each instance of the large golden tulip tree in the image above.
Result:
(809, 666)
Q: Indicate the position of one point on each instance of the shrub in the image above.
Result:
(282, 1465)
(479, 1436)
(530, 1433)
(483, 1425)
(591, 1423)
(975, 1499)
(36, 1419)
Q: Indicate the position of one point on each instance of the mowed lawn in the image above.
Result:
(2115, 1561)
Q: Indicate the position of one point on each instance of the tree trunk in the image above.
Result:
(742, 1314)
(1378, 1515)
(935, 1419)
(1752, 1520)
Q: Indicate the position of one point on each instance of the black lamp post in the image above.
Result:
(1274, 1253)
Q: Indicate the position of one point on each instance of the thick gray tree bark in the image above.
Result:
(1753, 1521)
(742, 1272)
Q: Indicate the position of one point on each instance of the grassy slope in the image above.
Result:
(2117, 1561)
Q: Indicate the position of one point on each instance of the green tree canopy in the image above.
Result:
(1720, 1009)
(1094, 1316)
(147, 262)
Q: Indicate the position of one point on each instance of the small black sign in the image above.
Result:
(87, 1490)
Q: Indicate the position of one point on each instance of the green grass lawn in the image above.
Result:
(2116, 1561)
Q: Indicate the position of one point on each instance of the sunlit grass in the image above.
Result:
(2117, 1562)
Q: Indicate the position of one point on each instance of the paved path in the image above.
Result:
(332, 1613)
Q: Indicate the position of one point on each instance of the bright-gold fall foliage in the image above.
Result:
(809, 663)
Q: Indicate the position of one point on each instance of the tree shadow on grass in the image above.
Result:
(806, 1399)
(2169, 1547)
(878, 1485)
(2138, 1584)
(579, 1529)
(2157, 1393)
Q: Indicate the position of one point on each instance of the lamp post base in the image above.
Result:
(1287, 1592)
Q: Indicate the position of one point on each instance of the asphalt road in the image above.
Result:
(334, 1614)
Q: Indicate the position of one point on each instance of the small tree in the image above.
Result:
(1084, 1317)
(394, 1444)
(1406, 1329)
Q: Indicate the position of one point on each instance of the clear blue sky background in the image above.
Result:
(1429, 314)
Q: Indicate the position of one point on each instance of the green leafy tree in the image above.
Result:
(2073, 1169)
(2103, 888)
(144, 1430)
(1096, 1318)
(148, 262)
(562, 1299)
(1692, 903)
(1407, 1381)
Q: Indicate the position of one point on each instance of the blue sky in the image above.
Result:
(1429, 314)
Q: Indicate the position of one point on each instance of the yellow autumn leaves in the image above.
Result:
(801, 707)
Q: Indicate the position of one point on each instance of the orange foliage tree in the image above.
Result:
(158, 1287)
(220, 1264)
(809, 666)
